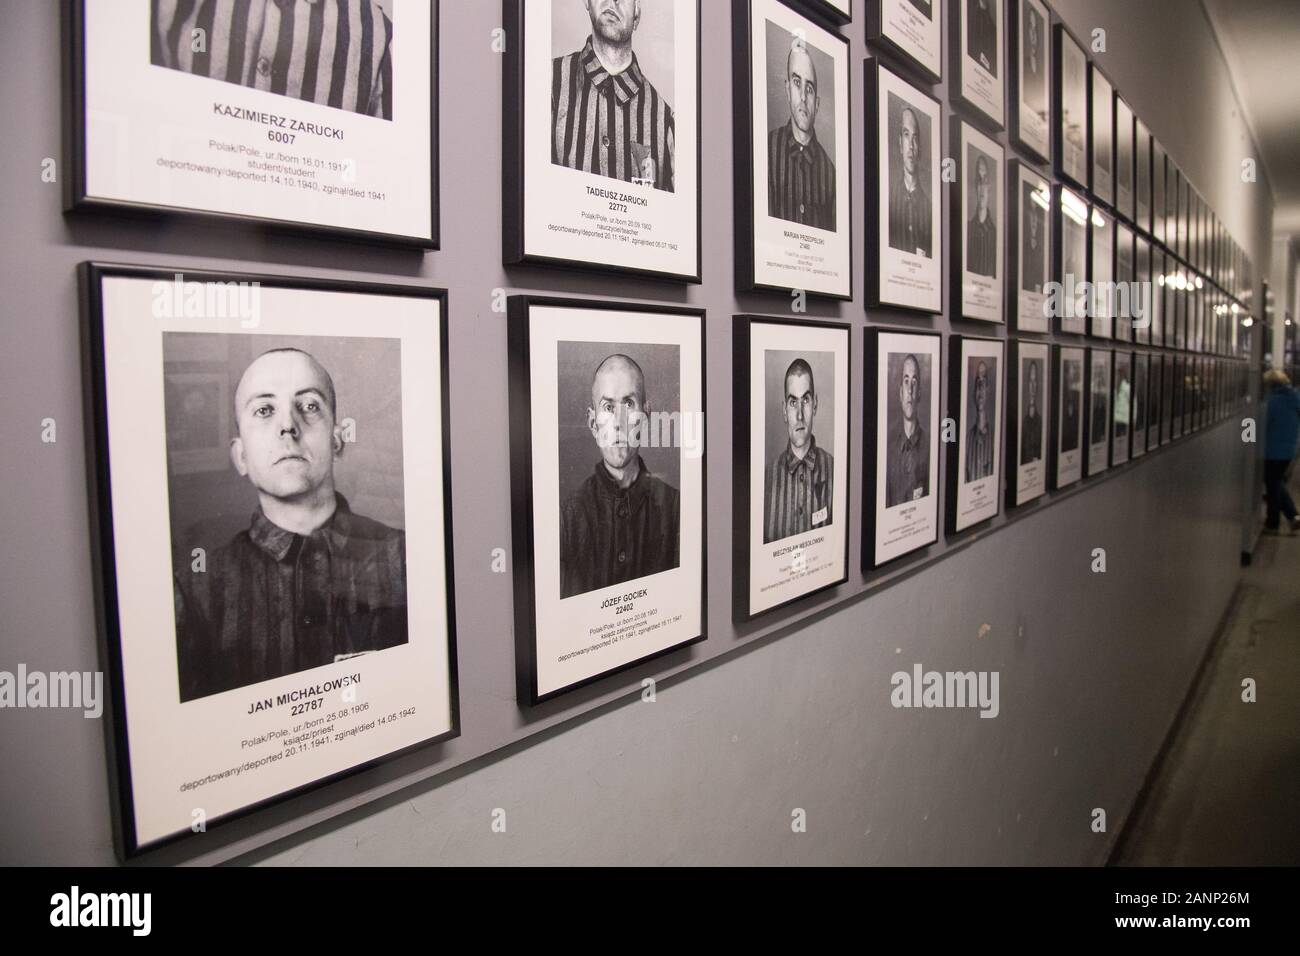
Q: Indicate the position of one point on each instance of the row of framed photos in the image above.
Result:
(271, 500)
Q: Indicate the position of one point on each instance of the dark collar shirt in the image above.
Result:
(1031, 442)
(1033, 257)
(332, 52)
(979, 453)
(800, 180)
(614, 126)
(909, 217)
(798, 492)
(907, 465)
(272, 602)
(981, 246)
(609, 535)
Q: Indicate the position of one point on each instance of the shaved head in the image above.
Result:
(617, 365)
(276, 358)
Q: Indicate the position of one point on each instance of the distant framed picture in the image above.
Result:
(1142, 178)
(1098, 405)
(1174, 397)
(976, 369)
(281, 613)
(791, 461)
(1125, 302)
(978, 218)
(1141, 404)
(1101, 272)
(979, 73)
(1124, 161)
(1031, 77)
(1070, 94)
(1068, 372)
(607, 487)
(1121, 407)
(1155, 404)
(1070, 241)
(1146, 293)
(1029, 389)
(1029, 217)
(901, 444)
(910, 30)
(1159, 215)
(1101, 110)
(903, 133)
(227, 111)
(601, 137)
(793, 155)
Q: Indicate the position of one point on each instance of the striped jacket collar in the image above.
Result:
(625, 85)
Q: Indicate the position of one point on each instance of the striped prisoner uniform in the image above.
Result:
(615, 126)
(331, 52)
(800, 180)
(798, 492)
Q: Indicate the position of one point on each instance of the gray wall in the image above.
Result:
(792, 711)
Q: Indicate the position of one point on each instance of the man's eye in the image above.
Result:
(262, 411)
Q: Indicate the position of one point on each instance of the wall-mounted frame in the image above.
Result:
(1031, 77)
(607, 487)
(793, 156)
(978, 209)
(206, 710)
(1029, 225)
(1155, 400)
(1141, 404)
(1101, 136)
(910, 31)
(1148, 290)
(1101, 272)
(1070, 131)
(900, 448)
(1070, 224)
(835, 12)
(1142, 179)
(1029, 386)
(904, 132)
(976, 372)
(1159, 197)
(791, 461)
(275, 132)
(583, 186)
(1124, 301)
(1098, 408)
(1121, 405)
(1068, 372)
(979, 73)
(1125, 166)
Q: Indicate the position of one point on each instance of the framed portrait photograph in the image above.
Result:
(1142, 177)
(601, 136)
(979, 75)
(1158, 191)
(910, 31)
(1141, 404)
(793, 158)
(1155, 400)
(1101, 109)
(1145, 297)
(1125, 166)
(1070, 242)
(978, 218)
(1098, 406)
(1031, 79)
(1070, 94)
(1174, 400)
(900, 450)
(272, 527)
(975, 404)
(607, 487)
(1029, 219)
(1121, 407)
(1125, 293)
(1101, 272)
(319, 117)
(791, 461)
(1067, 415)
(1028, 392)
(905, 230)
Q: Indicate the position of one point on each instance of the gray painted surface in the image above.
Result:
(792, 711)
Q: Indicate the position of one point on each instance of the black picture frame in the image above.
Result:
(1107, 356)
(1019, 174)
(957, 66)
(1101, 119)
(98, 437)
(1014, 353)
(1055, 480)
(744, 141)
(1016, 81)
(1142, 184)
(1123, 159)
(1120, 446)
(828, 12)
(880, 40)
(1101, 326)
(518, 334)
(1158, 192)
(514, 167)
(740, 465)
(958, 205)
(956, 412)
(1068, 203)
(1063, 43)
(77, 200)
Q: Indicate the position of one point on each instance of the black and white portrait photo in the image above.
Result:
(315, 116)
(1141, 403)
(281, 530)
(1124, 162)
(1071, 109)
(982, 34)
(1098, 423)
(1031, 419)
(791, 495)
(602, 101)
(902, 450)
(1067, 467)
(793, 219)
(977, 53)
(1027, 416)
(336, 54)
(978, 215)
(1101, 272)
(1142, 181)
(975, 460)
(1035, 202)
(607, 459)
(1032, 81)
(982, 220)
(912, 29)
(1102, 104)
(1071, 236)
(906, 220)
(1121, 407)
(1030, 218)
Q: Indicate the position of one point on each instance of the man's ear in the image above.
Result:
(237, 456)
(591, 423)
(336, 439)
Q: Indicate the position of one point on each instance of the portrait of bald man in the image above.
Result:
(308, 582)
(907, 444)
(607, 117)
(800, 172)
(799, 485)
(980, 411)
(910, 225)
(622, 522)
(1031, 423)
(981, 228)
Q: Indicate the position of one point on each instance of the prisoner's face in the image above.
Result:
(909, 142)
(982, 184)
(801, 84)
(909, 388)
(800, 408)
(287, 439)
(981, 386)
(614, 20)
(618, 410)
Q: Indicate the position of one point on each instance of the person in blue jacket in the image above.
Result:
(1280, 439)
